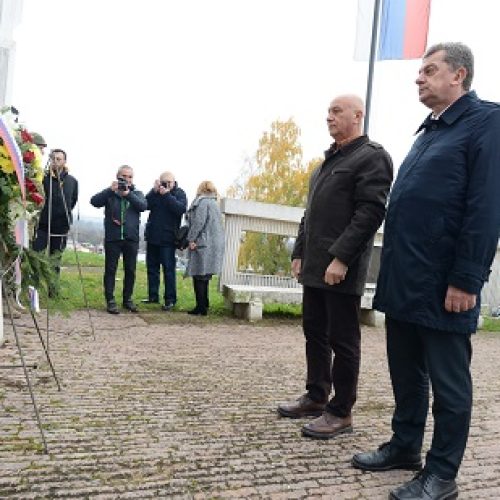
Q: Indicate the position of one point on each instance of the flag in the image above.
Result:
(403, 28)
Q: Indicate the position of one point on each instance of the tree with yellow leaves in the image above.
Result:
(279, 176)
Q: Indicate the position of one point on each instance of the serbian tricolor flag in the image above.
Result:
(402, 33)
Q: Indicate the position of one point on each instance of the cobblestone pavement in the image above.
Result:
(166, 407)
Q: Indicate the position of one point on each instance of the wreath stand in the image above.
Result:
(23, 364)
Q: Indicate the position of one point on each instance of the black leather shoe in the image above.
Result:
(426, 486)
(387, 458)
(112, 308)
(130, 306)
(167, 307)
(150, 301)
(302, 407)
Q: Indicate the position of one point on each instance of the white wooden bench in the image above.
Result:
(246, 293)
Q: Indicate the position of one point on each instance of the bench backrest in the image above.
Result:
(244, 215)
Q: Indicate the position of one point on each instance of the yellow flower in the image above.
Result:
(37, 163)
(5, 162)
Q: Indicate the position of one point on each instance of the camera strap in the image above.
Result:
(124, 204)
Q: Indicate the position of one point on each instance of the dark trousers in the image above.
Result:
(164, 256)
(57, 245)
(331, 325)
(112, 252)
(418, 355)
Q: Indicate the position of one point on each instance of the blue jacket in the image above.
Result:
(443, 220)
(122, 215)
(165, 216)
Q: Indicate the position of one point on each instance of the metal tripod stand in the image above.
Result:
(23, 364)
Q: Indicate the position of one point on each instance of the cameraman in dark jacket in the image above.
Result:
(167, 203)
(122, 217)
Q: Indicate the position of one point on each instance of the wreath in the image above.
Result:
(21, 198)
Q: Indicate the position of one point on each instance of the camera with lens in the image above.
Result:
(122, 184)
(165, 184)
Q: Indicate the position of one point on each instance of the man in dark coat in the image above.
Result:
(345, 207)
(122, 218)
(167, 202)
(440, 239)
(61, 196)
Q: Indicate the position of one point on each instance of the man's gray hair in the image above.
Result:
(457, 55)
(123, 167)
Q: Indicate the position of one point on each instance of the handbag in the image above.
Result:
(181, 242)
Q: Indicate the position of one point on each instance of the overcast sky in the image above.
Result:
(190, 86)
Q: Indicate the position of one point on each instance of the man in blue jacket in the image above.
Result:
(122, 218)
(167, 203)
(441, 235)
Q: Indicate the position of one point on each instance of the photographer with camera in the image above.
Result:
(122, 217)
(167, 203)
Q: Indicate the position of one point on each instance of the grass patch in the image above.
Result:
(491, 325)
(71, 295)
(85, 259)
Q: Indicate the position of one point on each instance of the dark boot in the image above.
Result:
(196, 288)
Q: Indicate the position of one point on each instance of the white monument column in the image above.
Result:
(10, 17)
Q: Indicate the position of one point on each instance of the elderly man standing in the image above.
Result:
(167, 202)
(345, 207)
(440, 239)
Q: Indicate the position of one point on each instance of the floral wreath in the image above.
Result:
(21, 176)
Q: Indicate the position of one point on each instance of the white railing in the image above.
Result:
(490, 296)
(243, 215)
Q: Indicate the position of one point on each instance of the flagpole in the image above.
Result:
(371, 66)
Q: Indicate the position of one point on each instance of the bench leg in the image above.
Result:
(254, 310)
(251, 311)
(370, 317)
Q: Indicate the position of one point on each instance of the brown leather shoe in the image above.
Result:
(302, 407)
(327, 426)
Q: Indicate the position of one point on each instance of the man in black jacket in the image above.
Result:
(122, 217)
(167, 203)
(345, 207)
(61, 195)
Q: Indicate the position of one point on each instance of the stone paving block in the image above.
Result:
(162, 407)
